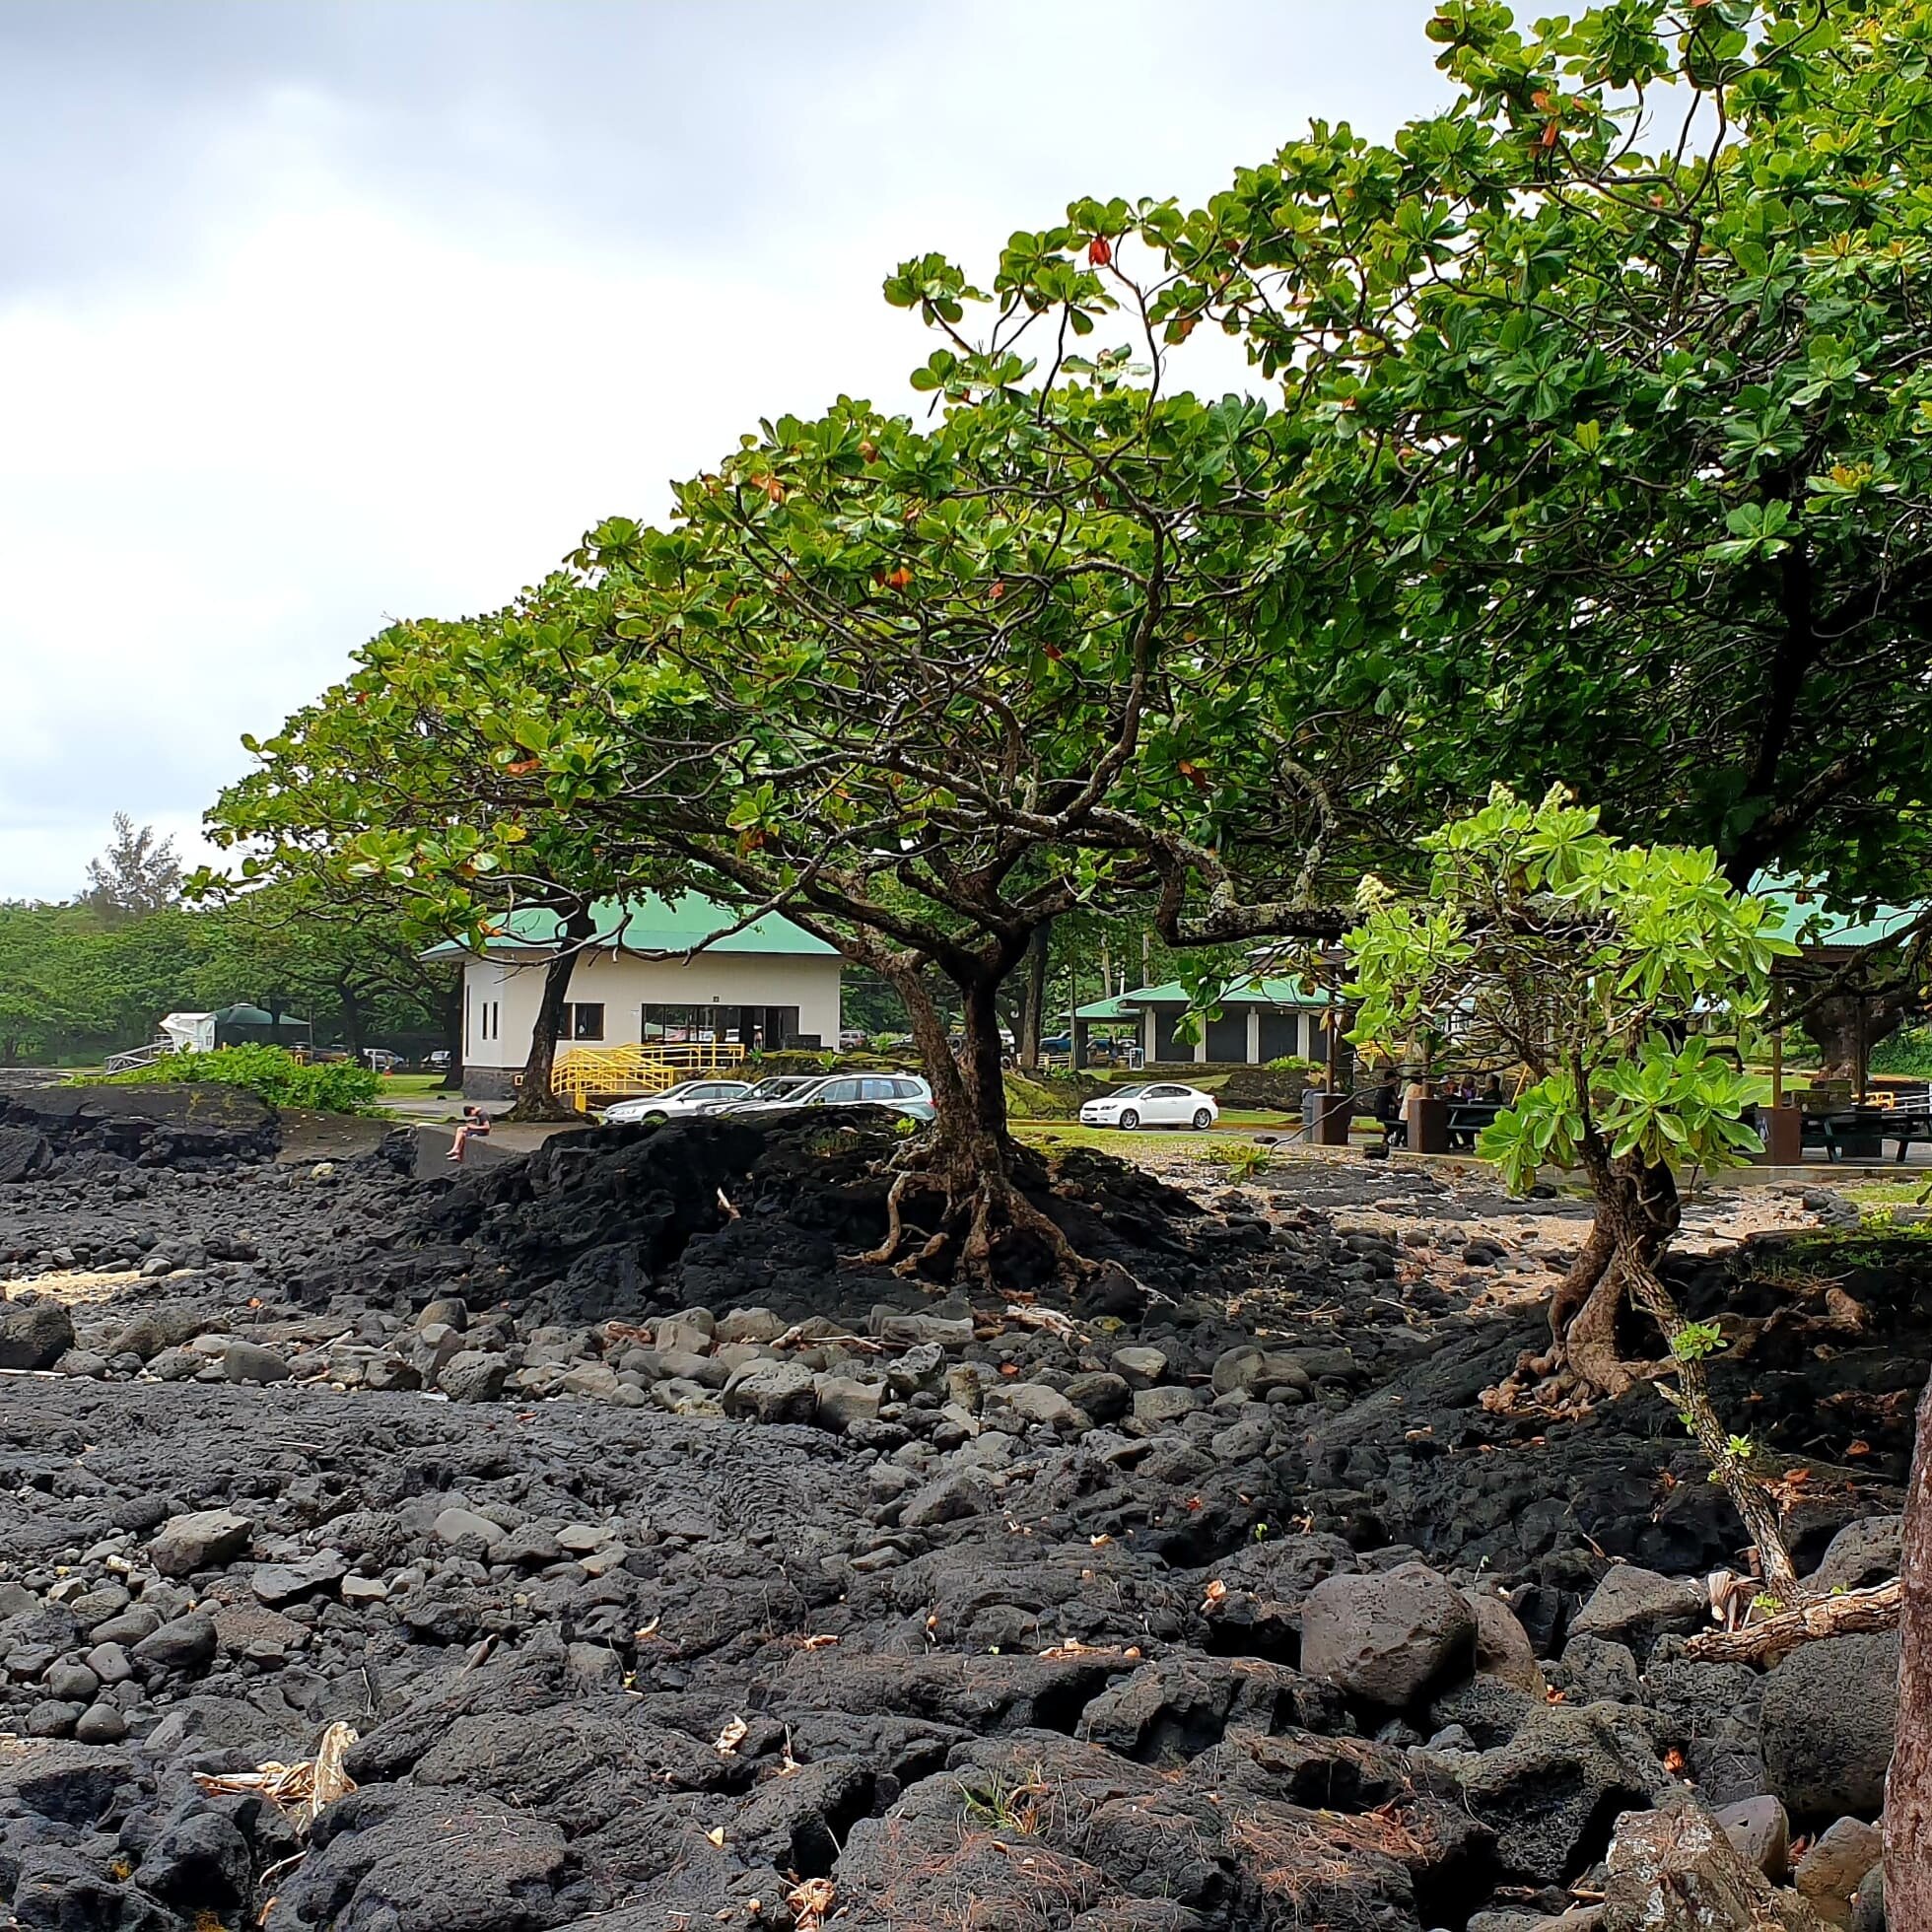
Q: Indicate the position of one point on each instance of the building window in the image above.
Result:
(584, 1021)
(753, 1028)
(682, 1026)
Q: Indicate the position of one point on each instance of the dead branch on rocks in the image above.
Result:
(303, 1789)
(1783, 1630)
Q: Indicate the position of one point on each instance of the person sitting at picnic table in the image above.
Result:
(1493, 1090)
(1385, 1104)
(475, 1126)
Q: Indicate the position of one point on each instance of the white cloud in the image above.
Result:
(375, 354)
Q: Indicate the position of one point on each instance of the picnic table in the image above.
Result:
(1860, 1132)
(1468, 1119)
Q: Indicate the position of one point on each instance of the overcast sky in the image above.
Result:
(315, 314)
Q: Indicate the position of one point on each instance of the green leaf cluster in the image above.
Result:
(1599, 968)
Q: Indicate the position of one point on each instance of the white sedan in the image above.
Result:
(677, 1102)
(1154, 1103)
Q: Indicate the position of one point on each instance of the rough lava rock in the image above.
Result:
(1386, 1638)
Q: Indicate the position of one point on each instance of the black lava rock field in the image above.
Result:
(594, 1539)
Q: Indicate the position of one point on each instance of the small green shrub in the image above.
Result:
(1243, 1161)
(336, 1086)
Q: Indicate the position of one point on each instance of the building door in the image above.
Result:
(1166, 1046)
(1280, 1034)
(1227, 1037)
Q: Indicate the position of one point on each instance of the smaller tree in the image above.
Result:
(1596, 967)
(136, 875)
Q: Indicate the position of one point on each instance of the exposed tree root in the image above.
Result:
(1616, 1269)
(1590, 1345)
(895, 1225)
(985, 1214)
(1783, 1630)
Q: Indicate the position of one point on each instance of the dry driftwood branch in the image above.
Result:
(1768, 1639)
(302, 1789)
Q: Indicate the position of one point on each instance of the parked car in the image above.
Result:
(439, 1060)
(1152, 1103)
(904, 1094)
(676, 1102)
(383, 1060)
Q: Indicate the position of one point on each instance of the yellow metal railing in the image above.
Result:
(610, 1073)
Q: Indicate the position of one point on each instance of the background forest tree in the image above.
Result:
(74, 987)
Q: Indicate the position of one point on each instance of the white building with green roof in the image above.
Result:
(1256, 1019)
(663, 972)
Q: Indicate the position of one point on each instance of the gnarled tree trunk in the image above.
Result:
(1909, 1784)
(1843, 1034)
(1638, 1211)
(536, 1097)
(965, 1167)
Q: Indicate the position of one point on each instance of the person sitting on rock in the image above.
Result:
(475, 1126)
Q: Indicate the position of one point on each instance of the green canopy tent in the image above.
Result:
(244, 1025)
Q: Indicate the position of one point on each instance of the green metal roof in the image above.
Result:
(1262, 991)
(1798, 912)
(650, 925)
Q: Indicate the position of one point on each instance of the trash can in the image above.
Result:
(1784, 1136)
(1325, 1117)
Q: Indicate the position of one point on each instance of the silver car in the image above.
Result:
(904, 1094)
(677, 1102)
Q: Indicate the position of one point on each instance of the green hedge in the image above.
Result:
(337, 1086)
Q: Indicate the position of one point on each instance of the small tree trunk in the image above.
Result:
(352, 1021)
(536, 1098)
(453, 1033)
(1033, 1003)
(1909, 1784)
(1637, 1213)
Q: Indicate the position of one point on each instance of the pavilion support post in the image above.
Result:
(1777, 1049)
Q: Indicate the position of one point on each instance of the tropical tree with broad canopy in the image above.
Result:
(923, 689)
(394, 747)
(1608, 396)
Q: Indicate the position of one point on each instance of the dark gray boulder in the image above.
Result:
(1387, 1639)
(1828, 1715)
(35, 1334)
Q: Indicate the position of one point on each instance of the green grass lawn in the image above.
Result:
(399, 1083)
(1111, 1139)
(1907, 1191)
